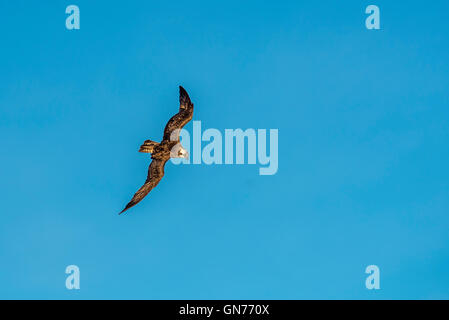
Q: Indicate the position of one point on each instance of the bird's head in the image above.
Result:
(179, 152)
(183, 153)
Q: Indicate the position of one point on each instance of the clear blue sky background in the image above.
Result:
(363, 119)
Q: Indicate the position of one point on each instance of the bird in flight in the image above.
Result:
(169, 147)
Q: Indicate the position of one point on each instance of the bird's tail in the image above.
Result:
(148, 146)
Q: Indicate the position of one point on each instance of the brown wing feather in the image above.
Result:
(179, 120)
(155, 174)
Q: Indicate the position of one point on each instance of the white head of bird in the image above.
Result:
(179, 152)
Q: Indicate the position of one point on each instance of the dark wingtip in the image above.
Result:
(183, 96)
(182, 91)
(126, 208)
(129, 205)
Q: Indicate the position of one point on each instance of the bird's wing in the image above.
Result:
(155, 174)
(180, 119)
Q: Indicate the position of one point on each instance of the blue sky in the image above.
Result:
(363, 123)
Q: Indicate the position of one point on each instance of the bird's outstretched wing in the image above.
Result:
(155, 174)
(180, 119)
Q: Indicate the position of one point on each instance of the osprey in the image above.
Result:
(169, 147)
